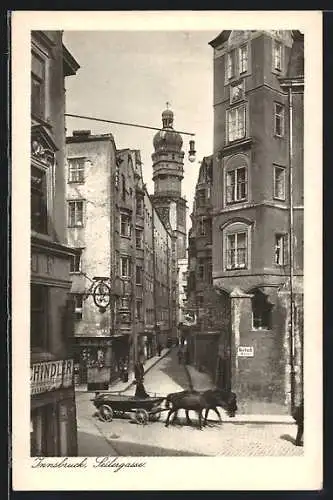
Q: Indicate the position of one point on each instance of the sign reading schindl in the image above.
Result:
(48, 376)
(245, 351)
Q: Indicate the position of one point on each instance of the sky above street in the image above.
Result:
(129, 76)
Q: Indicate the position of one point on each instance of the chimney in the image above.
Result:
(81, 133)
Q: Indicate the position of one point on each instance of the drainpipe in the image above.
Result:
(291, 250)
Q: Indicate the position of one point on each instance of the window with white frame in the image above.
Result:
(236, 123)
(76, 170)
(75, 213)
(277, 55)
(237, 92)
(75, 264)
(78, 307)
(236, 185)
(125, 225)
(280, 248)
(236, 250)
(125, 267)
(37, 86)
(279, 183)
(278, 119)
(138, 238)
(243, 59)
(231, 64)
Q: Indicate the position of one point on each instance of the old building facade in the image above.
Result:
(53, 414)
(124, 244)
(256, 208)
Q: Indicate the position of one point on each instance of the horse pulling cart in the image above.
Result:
(116, 404)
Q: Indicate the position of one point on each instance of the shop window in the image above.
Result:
(279, 183)
(38, 200)
(261, 311)
(236, 123)
(38, 317)
(76, 170)
(236, 185)
(278, 119)
(125, 225)
(75, 213)
(37, 86)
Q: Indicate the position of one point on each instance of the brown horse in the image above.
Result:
(197, 401)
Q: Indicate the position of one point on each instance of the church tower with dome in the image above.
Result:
(168, 172)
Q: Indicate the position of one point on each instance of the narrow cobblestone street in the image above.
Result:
(123, 437)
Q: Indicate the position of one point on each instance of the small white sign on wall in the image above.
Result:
(245, 351)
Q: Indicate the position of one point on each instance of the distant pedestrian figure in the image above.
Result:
(299, 419)
(159, 349)
(139, 371)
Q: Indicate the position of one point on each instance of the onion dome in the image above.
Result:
(167, 139)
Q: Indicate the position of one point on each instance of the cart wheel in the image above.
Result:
(106, 413)
(141, 416)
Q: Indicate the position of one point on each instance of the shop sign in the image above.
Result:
(95, 342)
(48, 376)
(245, 351)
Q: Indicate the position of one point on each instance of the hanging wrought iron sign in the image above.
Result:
(101, 294)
